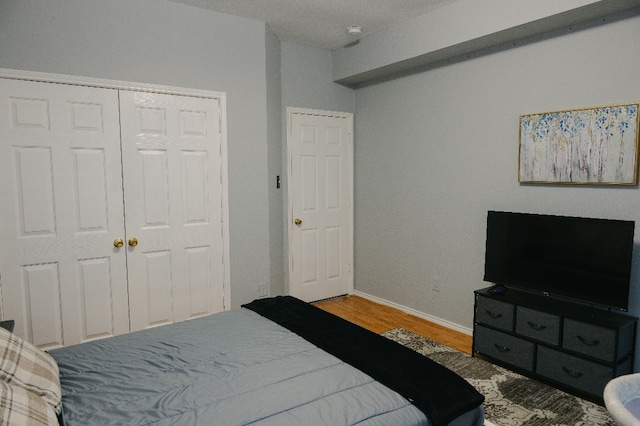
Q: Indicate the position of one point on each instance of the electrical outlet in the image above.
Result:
(436, 283)
(263, 290)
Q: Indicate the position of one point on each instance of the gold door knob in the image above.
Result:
(298, 221)
(133, 242)
(118, 242)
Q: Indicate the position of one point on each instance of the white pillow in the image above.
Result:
(18, 406)
(23, 364)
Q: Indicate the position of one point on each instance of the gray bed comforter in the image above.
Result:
(232, 368)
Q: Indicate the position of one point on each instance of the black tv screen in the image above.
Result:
(585, 259)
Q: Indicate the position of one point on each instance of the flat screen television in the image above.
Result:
(584, 259)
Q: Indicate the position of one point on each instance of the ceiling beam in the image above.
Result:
(458, 29)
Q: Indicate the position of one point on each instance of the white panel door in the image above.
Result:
(172, 170)
(320, 191)
(62, 279)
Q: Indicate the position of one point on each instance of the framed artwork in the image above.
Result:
(595, 146)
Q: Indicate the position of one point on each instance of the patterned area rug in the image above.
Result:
(510, 399)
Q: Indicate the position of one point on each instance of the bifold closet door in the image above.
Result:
(64, 150)
(61, 278)
(173, 206)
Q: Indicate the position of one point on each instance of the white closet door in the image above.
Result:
(61, 277)
(173, 206)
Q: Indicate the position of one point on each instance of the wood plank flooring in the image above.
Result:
(380, 318)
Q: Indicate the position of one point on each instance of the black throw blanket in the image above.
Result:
(438, 392)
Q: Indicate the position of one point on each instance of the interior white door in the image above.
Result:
(320, 212)
(62, 279)
(173, 206)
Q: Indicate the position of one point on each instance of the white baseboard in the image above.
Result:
(415, 313)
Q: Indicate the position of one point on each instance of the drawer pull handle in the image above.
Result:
(587, 341)
(494, 315)
(572, 373)
(502, 348)
(535, 326)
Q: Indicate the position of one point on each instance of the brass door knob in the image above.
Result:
(298, 221)
(133, 242)
(118, 242)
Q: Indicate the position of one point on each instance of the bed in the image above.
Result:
(275, 361)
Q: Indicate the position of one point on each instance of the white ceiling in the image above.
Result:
(322, 23)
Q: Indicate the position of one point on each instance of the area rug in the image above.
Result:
(510, 399)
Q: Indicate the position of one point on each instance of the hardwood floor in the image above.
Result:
(380, 318)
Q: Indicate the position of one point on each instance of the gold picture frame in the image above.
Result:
(593, 146)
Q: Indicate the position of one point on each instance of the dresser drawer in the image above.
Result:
(504, 347)
(538, 325)
(578, 373)
(589, 339)
(495, 313)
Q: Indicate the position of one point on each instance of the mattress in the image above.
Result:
(232, 368)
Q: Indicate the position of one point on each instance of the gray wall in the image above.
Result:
(161, 42)
(436, 149)
(275, 163)
(307, 80)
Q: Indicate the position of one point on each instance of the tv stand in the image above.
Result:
(567, 345)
